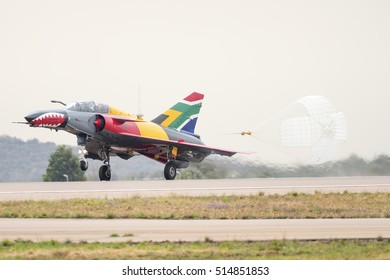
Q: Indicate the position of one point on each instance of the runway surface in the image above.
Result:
(123, 189)
(191, 230)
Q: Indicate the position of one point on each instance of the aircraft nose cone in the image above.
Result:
(30, 117)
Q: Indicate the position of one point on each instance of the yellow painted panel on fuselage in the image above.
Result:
(172, 115)
(117, 112)
(149, 129)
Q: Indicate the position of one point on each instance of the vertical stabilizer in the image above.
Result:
(183, 115)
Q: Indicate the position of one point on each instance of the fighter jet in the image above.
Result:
(103, 131)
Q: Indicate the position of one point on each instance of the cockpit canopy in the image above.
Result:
(88, 106)
(92, 107)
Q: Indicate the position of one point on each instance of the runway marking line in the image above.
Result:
(199, 189)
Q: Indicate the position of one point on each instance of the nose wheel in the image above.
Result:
(83, 160)
(83, 165)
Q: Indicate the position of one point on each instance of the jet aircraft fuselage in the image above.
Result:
(103, 131)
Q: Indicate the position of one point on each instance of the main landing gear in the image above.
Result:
(170, 171)
(104, 170)
(171, 166)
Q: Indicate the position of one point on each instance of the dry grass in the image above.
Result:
(290, 206)
(236, 250)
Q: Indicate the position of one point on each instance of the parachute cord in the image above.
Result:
(274, 116)
(272, 146)
(250, 131)
(324, 126)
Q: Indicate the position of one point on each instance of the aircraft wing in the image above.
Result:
(184, 146)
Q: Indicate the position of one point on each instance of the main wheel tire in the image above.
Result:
(104, 173)
(170, 171)
(83, 165)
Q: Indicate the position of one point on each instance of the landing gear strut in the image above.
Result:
(105, 170)
(83, 160)
(170, 169)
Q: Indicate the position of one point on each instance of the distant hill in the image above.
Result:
(26, 161)
(23, 161)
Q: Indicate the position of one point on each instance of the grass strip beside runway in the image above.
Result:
(378, 249)
(289, 206)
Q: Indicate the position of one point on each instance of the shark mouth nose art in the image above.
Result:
(49, 120)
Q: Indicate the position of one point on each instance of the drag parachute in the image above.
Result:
(322, 130)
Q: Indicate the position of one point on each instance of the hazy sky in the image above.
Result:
(250, 58)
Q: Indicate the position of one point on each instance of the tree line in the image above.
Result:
(26, 161)
(218, 168)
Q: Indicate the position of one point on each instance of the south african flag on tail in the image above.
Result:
(183, 115)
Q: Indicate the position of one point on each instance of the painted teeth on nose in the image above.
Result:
(49, 120)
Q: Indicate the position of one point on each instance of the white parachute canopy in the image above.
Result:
(322, 129)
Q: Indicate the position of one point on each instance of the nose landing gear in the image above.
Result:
(83, 160)
(83, 165)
